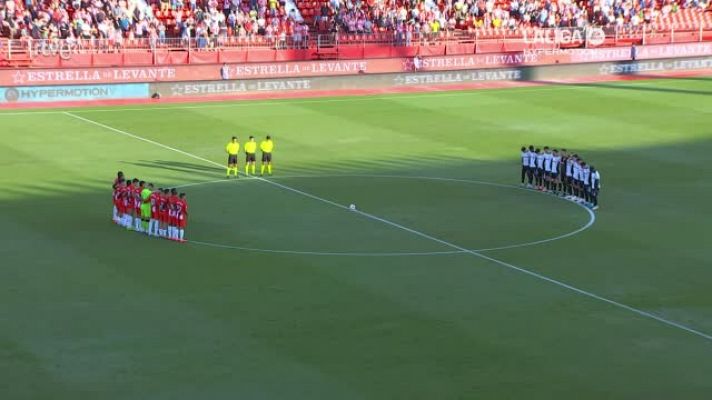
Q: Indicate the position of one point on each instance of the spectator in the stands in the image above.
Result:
(81, 20)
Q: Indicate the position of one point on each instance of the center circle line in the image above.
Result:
(589, 223)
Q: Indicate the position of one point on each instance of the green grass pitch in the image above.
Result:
(337, 304)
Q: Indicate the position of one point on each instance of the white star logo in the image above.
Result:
(18, 77)
(407, 64)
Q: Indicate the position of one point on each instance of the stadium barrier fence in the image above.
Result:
(140, 52)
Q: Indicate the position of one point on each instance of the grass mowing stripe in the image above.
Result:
(445, 92)
(421, 234)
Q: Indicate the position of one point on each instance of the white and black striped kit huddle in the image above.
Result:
(562, 173)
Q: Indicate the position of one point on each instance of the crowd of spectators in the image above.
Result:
(206, 22)
(210, 21)
(432, 16)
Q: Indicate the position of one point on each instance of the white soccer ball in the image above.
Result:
(352, 207)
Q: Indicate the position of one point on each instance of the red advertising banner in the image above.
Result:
(207, 68)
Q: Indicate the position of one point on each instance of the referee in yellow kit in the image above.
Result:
(250, 149)
(266, 146)
(232, 148)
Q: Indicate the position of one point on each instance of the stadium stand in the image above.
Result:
(213, 22)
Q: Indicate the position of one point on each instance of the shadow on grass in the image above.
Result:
(192, 168)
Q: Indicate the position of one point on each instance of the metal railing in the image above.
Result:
(557, 37)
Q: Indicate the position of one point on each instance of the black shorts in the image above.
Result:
(553, 175)
(266, 157)
(250, 157)
(232, 159)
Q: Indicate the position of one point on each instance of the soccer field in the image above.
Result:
(449, 281)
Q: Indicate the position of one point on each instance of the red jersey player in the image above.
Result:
(181, 205)
(134, 204)
(153, 199)
(172, 215)
(163, 213)
(124, 201)
(116, 197)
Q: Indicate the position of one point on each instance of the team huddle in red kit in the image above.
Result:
(155, 212)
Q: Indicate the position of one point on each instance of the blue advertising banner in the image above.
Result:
(33, 94)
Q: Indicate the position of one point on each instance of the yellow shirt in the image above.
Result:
(250, 147)
(266, 146)
(232, 148)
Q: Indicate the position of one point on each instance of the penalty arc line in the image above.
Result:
(501, 263)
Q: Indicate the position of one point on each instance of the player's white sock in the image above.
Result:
(182, 234)
(151, 224)
(115, 214)
(137, 224)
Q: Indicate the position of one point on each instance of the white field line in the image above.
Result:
(329, 253)
(432, 238)
(308, 252)
(277, 102)
(589, 223)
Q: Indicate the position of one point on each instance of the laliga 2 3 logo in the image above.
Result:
(566, 36)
